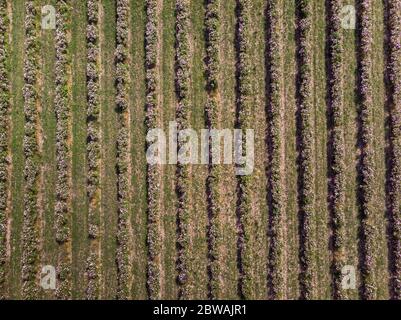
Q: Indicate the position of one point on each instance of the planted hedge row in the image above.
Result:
(306, 177)
(63, 152)
(212, 33)
(153, 174)
(366, 160)
(336, 144)
(93, 147)
(394, 177)
(275, 147)
(123, 149)
(182, 82)
(30, 232)
(244, 109)
(4, 140)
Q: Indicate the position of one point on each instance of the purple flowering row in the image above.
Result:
(394, 180)
(93, 147)
(123, 150)
(244, 111)
(63, 153)
(4, 140)
(30, 232)
(275, 147)
(306, 178)
(182, 80)
(153, 172)
(366, 141)
(336, 144)
(212, 28)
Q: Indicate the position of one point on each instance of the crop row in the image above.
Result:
(366, 160)
(306, 178)
(394, 178)
(244, 109)
(4, 139)
(93, 147)
(63, 152)
(336, 144)
(123, 149)
(182, 81)
(275, 147)
(153, 174)
(212, 31)
(30, 232)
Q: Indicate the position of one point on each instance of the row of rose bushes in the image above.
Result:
(305, 146)
(275, 147)
(182, 82)
(212, 32)
(153, 173)
(394, 183)
(123, 152)
(4, 139)
(93, 147)
(244, 111)
(30, 232)
(63, 152)
(366, 140)
(336, 143)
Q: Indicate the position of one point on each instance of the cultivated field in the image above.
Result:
(78, 99)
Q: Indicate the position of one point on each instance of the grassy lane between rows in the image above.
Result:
(198, 211)
(138, 160)
(78, 106)
(169, 104)
(291, 222)
(109, 125)
(49, 245)
(17, 118)
(229, 271)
